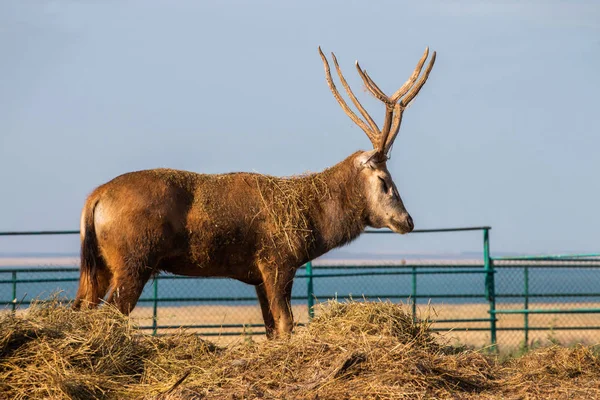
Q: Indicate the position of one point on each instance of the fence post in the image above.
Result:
(155, 306)
(14, 291)
(414, 293)
(526, 305)
(310, 291)
(490, 289)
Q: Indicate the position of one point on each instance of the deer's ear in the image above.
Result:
(370, 159)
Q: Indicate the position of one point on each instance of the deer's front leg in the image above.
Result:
(277, 286)
(266, 310)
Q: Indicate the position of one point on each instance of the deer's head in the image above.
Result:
(384, 204)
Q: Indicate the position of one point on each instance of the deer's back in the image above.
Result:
(197, 224)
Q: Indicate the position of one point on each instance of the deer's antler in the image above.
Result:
(395, 105)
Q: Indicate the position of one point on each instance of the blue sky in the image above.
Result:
(505, 133)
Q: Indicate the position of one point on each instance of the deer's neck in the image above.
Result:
(338, 217)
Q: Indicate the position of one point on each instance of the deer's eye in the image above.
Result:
(384, 185)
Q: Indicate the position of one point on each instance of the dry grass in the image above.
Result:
(287, 202)
(351, 350)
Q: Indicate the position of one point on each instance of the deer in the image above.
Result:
(254, 228)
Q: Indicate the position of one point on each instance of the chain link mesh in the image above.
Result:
(450, 294)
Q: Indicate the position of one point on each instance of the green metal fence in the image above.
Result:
(489, 301)
(548, 298)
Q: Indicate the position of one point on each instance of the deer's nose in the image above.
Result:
(410, 223)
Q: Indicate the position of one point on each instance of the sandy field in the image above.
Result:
(465, 333)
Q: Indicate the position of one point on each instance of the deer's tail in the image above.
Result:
(90, 260)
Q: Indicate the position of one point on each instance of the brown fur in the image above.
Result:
(255, 228)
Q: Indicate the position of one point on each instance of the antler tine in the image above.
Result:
(342, 103)
(371, 86)
(401, 106)
(409, 83)
(398, 111)
(374, 84)
(387, 123)
(357, 104)
(415, 90)
(378, 93)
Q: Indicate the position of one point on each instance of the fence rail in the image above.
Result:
(496, 286)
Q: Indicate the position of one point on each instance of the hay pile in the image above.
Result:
(351, 350)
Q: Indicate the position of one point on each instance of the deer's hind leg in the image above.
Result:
(129, 276)
(84, 296)
(277, 287)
